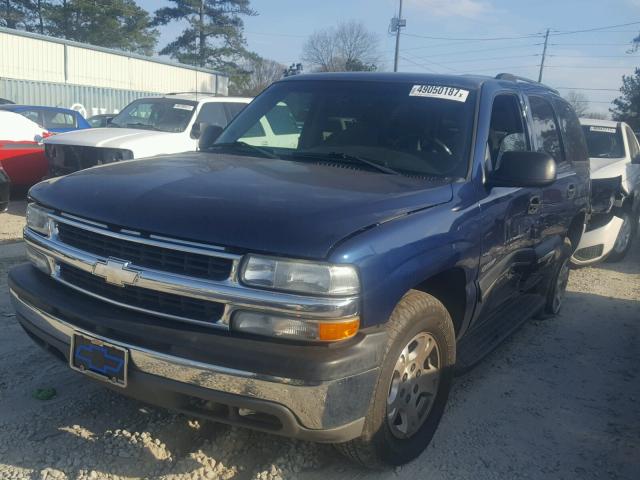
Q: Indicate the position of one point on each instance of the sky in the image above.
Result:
(466, 36)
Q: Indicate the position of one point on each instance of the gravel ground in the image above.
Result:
(12, 221)
(560, 399)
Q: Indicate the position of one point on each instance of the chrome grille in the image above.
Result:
(142, 298)
(144, 255)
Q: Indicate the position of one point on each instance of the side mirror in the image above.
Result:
(208, 135)
(524, 169)
(196, 130)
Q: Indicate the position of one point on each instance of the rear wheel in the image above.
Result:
(413, 385)
(625, 236)
(557, 284)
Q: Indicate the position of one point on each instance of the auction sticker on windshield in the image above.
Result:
(602, 129)
(439, 91)
(182, 106)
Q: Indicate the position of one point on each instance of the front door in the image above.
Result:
(510, 215)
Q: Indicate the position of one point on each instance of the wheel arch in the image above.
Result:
(450, 287)
(576, 229)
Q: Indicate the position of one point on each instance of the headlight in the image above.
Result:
(300, 276)
(271, 325)
(38, 219)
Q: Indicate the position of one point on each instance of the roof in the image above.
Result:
(13, 107)
(599, 123)
(463, 81)
(201, 97)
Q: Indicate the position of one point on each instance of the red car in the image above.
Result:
(21, 149)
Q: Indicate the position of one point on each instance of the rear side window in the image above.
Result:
(545, 128)
(213, 113)
(574, 142)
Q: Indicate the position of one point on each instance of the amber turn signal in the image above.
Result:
(333, 331)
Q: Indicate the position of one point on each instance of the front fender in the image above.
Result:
(399, 255)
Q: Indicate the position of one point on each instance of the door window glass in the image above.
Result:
(634, 150)
(506, 131)
(213, 113)
(58, 120)
(545, 129)
(572, 135)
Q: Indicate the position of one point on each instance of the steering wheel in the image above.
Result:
(437, 145)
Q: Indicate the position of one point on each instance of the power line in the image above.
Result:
(417, 64)
(455, 52)
(635, 57)
(431, 62)
(612, 67)
(589, 44)
(477, 39)
(584, 88)
(594, 29)
(486, 59)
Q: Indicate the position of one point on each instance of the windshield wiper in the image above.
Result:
(247, 146)
(143, 125)
(347, 157)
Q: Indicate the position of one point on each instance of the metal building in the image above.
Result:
(36, 69)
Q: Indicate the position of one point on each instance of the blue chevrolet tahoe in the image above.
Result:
(323, 281)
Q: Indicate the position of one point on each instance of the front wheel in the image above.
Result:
(625, 236)
(413, 385)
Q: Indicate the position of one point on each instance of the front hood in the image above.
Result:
(126, 138)
(607, 167)
(275, 206)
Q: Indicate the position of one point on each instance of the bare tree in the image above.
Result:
(596, 115)
(578, 101)
(347, 47)
(257, 74)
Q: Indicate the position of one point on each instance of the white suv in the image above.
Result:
(615, 191)
(146, 127)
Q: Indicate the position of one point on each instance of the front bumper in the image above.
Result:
(321, 406)
(596, 244)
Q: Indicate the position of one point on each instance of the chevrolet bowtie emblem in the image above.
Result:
(116, 272)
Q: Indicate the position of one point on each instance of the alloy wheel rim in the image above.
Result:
(414, 385)
(624, 236)
(561, 286)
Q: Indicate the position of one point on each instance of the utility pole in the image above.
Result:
(544, 53)
(396, 24)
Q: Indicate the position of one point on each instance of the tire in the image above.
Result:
(557, 284)
(419, 320)
(625, 236)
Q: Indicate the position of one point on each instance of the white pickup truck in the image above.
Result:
(144, 128)
(615, 191)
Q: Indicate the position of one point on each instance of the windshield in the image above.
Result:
(390, 127)
(163, 114)
(604, 142)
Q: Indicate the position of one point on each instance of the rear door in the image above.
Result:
(561, 199)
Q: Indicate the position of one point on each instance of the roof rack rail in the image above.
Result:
(192, 93)
(515, 78)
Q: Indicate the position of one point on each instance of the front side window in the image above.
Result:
(213, 113)
(634, 150)
(604, 141)
(506, 130)
(392, 126)
(163, 114)
(545, 128)
(58, 120)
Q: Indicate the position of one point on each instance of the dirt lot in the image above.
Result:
(12, 221)
(560, 399)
